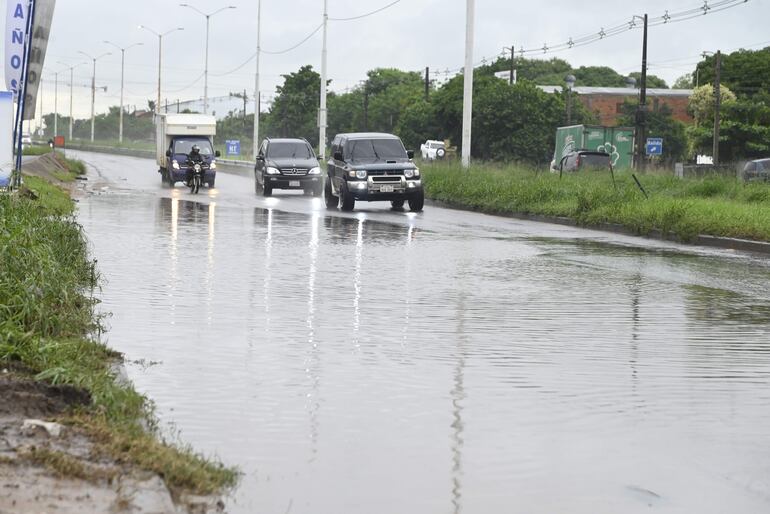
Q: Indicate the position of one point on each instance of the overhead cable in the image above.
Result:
(367, 14)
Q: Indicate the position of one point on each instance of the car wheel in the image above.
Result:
(417, 202)
(347, 202)
(397, 204)
(318, 191)
(440, 153)
(267, 191)
(331, 201)
(257, 188)
(211, 183)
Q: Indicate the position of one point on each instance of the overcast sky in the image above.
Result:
(410, 35)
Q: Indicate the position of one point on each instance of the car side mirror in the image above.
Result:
(217, 153)
(260, 157)
(410, 154)
(338, 156)
(168, 153)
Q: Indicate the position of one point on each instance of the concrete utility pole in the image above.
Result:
(641, 113)
(93, 90)
(470, 9)
(122, 81)
(257, 99)
(160, 57)
(427, 84)
(206, 58)
(717, 104)
(322, 109)
(512, 78)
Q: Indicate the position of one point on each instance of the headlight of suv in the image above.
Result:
(273, 171)
(417, 173)
(314, 171)
(175, 164)
(361, 174)
(409, 173)
(213, 165)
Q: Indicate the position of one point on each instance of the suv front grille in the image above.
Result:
(294, 171)
(391, 173)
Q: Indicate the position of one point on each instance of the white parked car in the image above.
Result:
(432, 150)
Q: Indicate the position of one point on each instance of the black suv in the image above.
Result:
(372, 167)
(287, 164)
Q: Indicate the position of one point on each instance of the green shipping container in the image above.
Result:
(616, 141)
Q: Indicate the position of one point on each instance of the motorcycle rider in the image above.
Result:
(194, 157)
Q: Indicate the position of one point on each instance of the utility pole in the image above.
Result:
(93, 89)
(56, 105)
(427, 84)
(641, 113)
(322, 110)
(255, 144)
(717, 104)
(470, 10)
(72, 80)
(512, 78)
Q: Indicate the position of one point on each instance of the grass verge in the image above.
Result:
(684, 208)
(47, 319)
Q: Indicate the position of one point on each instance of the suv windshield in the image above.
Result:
(375, 149)
(297, 150)
(185, 146)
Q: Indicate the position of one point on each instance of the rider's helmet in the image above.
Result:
(196, 149)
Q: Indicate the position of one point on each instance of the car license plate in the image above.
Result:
(386, 189)
(294, 183)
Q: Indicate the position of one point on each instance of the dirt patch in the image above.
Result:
(25, 398)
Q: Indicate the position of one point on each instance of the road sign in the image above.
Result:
(233, 147)
(654, 146)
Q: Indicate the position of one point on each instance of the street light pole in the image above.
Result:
(717, 104)
(55, 104)
(93, 90)
(322, 110)
(72, 79)
(470, 9)
(206, 67)
(160, 57)
(122, 81)
(257, 101)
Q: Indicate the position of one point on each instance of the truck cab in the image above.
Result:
(176, 135)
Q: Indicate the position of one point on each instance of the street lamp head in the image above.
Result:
(570, 81)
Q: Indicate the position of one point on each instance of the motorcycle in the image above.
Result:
(198, 171)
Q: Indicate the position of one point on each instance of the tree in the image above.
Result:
(745, 72)
(661, 123)
(684, 82)
(703, 103)
(418, 123)
(653, 81)
(294, 110)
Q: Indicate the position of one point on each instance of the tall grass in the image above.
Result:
(684, 208)
(47, 324)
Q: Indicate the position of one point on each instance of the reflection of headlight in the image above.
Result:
(409, 173)
(314, 171)
(361, 174)
(213, 165)
(175, 164)
(273, 171)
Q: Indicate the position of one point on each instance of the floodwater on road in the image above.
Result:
(446, 362)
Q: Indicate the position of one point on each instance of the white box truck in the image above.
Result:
(175, 136)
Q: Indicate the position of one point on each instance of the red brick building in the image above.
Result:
(607, 102)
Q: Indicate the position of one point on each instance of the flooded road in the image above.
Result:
(446, 362)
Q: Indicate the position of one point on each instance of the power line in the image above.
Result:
(367, 14)
(319, 27)
(665, 19)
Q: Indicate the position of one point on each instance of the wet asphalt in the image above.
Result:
(446, 361)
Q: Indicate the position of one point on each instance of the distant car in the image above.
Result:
(433, 150)
(757, 170)
(287, 164)
(26, 141)
(585, 160)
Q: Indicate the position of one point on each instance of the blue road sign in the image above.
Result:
(233, 147)
(654, 146)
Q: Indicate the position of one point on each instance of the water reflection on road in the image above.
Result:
(351, 364)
